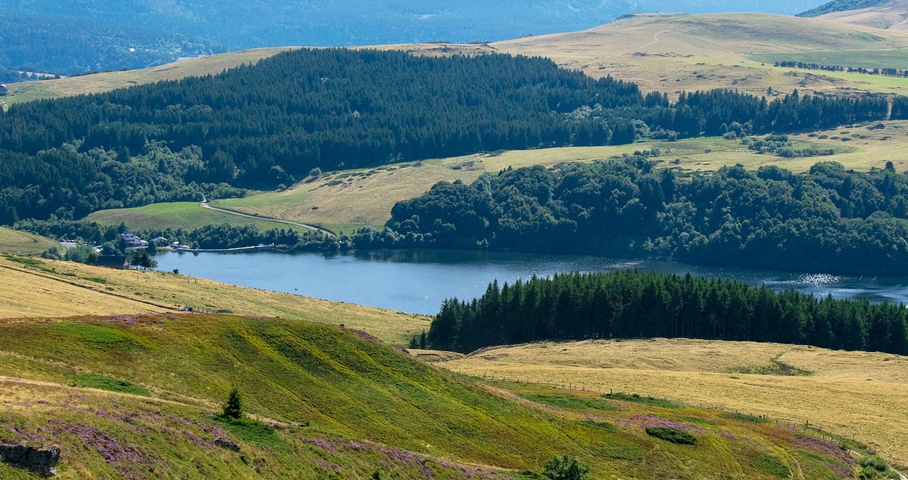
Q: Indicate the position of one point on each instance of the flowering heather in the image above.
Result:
(327, 466)
(828, 449)
(196, 440)
(646, 420)
(128, 461)
(318, 442)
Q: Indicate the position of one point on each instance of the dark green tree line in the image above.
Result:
(637, 304)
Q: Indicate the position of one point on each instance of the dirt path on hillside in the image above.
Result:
(656, 38)
(205, 204)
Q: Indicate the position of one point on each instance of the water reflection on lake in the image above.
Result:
(417, 281)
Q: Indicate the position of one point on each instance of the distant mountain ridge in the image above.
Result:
(841, 6)
(35, 43)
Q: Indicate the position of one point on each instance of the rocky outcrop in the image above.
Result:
(224, 443)
(40, 461)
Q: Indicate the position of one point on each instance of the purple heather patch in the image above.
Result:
(822, 446)
(324, 444)
(126, 459)
(194, 439)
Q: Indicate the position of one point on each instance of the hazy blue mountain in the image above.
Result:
(173, 27)
(841, 6)
(64, 46)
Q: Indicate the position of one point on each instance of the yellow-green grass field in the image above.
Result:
(857, 394)
(35, 287)
(185, 215)
(106, 81)
(14, 241)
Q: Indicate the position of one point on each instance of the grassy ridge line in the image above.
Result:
(29, 296)
(327, 386)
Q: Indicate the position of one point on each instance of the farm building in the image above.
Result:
(113, 261)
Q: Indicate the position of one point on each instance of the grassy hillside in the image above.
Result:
(34, 287)
(340, 402)
(14, 241)
(861, 394)
(671, 53)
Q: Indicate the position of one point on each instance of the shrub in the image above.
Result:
(565, 467)
(672, 435)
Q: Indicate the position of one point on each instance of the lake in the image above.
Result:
(417, 281)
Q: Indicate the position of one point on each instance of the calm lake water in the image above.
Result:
(417, 281)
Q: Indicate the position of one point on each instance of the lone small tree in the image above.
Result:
(565, 467)
(233, 409)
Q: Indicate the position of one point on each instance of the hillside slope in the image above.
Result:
(342, 406)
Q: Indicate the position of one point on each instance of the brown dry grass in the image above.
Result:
(14, 241)
(850, 393)
(62, 289)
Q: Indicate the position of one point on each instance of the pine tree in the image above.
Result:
(233, 409)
